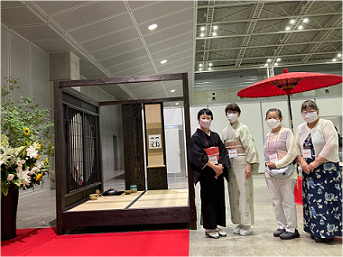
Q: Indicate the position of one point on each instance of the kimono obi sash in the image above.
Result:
(235, 144)
(213, 154)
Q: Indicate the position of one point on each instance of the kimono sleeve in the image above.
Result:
(250, 149)
(197, 155)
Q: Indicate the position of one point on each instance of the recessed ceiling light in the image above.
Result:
(300, 27)
(334, 59)
(266, 64)
(200, 64)
(200, 68)
(202, 35)
(306, 20)
(276, 64)
(288, 28)
(210, 68)
(214, 34)
(176, 103)
(215, 27)
(339, 55)
(210, 64)
(278, 59)
(152, 26)
(173, 90)
(269, 60)
(202, 28)
(163, 61)
(292, 21)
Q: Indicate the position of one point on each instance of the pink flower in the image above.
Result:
(10, 177)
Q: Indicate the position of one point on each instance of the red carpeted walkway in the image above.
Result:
(45, 242)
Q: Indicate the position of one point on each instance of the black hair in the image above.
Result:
(232, 107)
(274, 110)
(205, 111)
(309, 104)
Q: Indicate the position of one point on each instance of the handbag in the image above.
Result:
(281, 173)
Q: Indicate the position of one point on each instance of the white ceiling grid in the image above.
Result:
(112, 38)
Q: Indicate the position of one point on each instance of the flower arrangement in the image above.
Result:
(25, 139)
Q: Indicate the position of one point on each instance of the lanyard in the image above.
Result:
(275, 140)
(207, 141)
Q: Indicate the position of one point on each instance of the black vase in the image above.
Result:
(9, 206)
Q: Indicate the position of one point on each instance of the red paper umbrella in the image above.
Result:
(290, 83)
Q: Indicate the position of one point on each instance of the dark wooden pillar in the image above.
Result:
(133, 146)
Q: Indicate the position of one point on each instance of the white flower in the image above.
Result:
(19, 169)
(31, 152)
(39, 164)
(10, 177)
(20, 162)
(23, 177)
(33, 170)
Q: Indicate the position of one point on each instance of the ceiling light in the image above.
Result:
(278, 59)
(163, 61)
(214, 34)
(202, 28)
(339, 55)
(152, 26)
(269, 60)
(210, 64)
(306, 20)
(209, 68)
(300, 27)
(288, 28)
(200, 64)
(334, 59)
(202, 35)
(292, 21)
(200, 69)
(266, 64)
(173, 90)
(276, 64)
(215, 27)
(176, 103)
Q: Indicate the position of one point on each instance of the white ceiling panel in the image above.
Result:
(38, 32)
(170, 42)
(129, 64)
(111, 39)
(161, 9)
(168, 21)
(118, 49)
(89, 13)
(140, 4)
(104, 27)
(174, 54)
(59, 6)
(175, 31)
(23, 16)
(136, 54)
(54, 46)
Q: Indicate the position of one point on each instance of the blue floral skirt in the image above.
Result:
(322, 201)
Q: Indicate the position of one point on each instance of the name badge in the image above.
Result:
(213, 159)
(273, 157)
(307, 153)
(233, 153)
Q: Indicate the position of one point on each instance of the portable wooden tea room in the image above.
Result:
(78, 160)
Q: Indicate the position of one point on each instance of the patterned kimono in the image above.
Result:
(241, 195)
(322, 198)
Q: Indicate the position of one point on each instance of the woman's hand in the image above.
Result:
(218, 169)
(271, 165)
(248, 170)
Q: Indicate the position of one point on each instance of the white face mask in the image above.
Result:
(273, 123)
(309, 116)
(232, 117)
(205, 123)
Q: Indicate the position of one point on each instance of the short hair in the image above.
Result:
(274, 110)
(309, 104)
(205, 111)
(233, 107)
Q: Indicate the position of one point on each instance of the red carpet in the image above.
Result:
(44, 242)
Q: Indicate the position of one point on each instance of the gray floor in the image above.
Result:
(38, 210)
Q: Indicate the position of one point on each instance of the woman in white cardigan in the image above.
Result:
(322, 191)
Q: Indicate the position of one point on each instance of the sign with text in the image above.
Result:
(155, 141)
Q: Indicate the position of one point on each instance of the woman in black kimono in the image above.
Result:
(209, 161)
